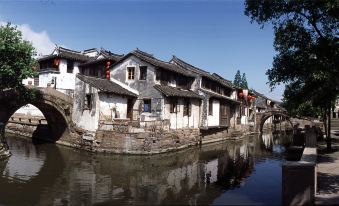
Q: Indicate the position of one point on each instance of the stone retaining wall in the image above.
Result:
(132, 143)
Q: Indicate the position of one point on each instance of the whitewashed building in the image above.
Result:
(165, 90)
(219, 106)
(98, 99)
(58, 70)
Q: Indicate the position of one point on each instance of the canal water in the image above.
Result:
(245, 172)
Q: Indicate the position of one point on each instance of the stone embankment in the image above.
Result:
(124, 140)
(4, 151)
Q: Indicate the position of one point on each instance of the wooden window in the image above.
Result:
(36, 81)
(130, 73)
(147, 105)
(88, 101)
(173, 106)
(143, 72)
(187, 107)
(70, 66)
(210, 106)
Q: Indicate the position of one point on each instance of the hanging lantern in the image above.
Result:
(108, 75)
(56, 62)
(241, 94)
(249, 97)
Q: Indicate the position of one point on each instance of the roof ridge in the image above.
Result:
(176, 59)
(220, 77)
(144, 53)
(107, 52)
(69, 50)
(87, 50)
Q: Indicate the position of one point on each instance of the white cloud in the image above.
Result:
(40, 40)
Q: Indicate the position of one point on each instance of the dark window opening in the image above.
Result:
(173, 106)
(187, 107)
(147, 105)
(210, 107)
(36, 81)
(143, 72)
(130, 73)
(88, 101)
(70, 66)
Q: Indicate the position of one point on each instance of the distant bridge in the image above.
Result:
(55, 106)
(262, 117)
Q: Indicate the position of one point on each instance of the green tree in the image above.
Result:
(244, 84)
(237, 79)
(16, 58)
(306, 41)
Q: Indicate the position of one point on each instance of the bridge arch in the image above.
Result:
(55, 106)
(264, 116)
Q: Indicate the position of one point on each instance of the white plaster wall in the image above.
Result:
(29, 110)
(110, 101)
(86, 119)
(193, 120)
(119, 72)
(64, 80)
(45, 78)
(178, 120)
(213, 120)
(25, 81)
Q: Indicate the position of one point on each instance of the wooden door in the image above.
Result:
(224, 114)
(130, 103)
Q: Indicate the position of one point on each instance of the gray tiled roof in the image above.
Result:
(105, 85)
(67, 54)
(219, 96)
(213, 77)
(149, 58)
(176, 92)
(108, 56)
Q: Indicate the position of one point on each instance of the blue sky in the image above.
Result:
(214, 35)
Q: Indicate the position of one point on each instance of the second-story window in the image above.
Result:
(130, 73)
(70, 66)
(143, 72)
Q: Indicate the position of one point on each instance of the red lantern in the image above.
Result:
(249, 97)
(56, 62)
(108, 74)
(108, 63)
(241, 94)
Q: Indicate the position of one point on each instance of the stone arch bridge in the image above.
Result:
(262, 117)
(56, 107)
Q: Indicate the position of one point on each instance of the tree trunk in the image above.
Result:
(325, 121)
(328, 135)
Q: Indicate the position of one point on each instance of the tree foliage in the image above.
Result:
(237, 79)
(306, 41)
(244, 84)
(240, 81)
(16, 58)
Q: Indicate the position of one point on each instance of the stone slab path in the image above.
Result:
(328, 173)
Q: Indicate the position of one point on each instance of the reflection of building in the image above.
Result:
(187, 177)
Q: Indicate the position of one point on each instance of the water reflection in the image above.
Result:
(233, 172)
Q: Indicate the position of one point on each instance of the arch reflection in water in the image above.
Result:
(213, 174)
